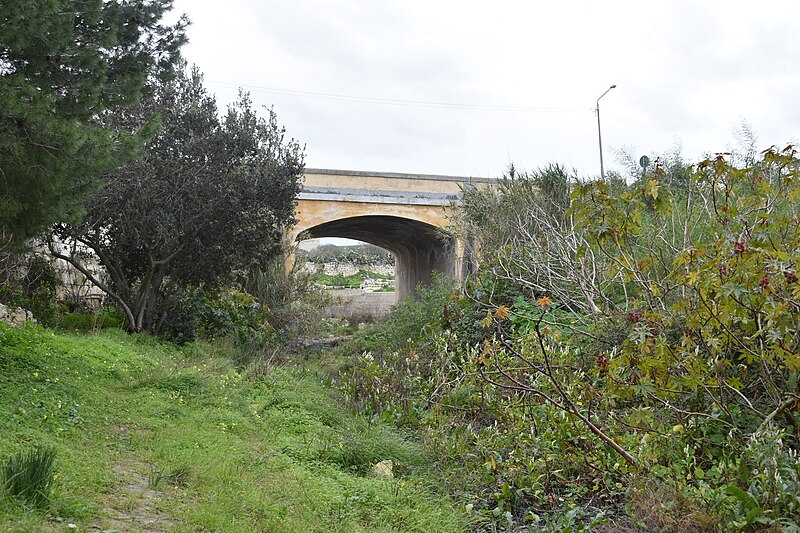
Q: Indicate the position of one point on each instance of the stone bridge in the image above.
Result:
(403, 213)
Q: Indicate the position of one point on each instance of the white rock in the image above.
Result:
(16, 316)
(384, 469)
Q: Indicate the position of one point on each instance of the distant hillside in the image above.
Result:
(362, 254)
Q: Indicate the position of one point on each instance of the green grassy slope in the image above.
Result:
(151, 437)
(353, 281)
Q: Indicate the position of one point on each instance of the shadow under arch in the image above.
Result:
(420, 249)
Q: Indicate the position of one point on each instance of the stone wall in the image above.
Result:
(346, 268)
(356, 303)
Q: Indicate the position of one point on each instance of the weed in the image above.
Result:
(361, 446)
(177, 477)
(662, 507)
(29, 476)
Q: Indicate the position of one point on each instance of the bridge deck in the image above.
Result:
(384, 187)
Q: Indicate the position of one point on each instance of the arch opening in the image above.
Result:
(420, 249)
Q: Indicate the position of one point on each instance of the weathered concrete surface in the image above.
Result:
(385, 181)
(403, 213)
(357, 303)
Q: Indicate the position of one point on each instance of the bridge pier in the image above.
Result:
(416, 263)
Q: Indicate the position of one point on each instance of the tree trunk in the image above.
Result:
(151, 310)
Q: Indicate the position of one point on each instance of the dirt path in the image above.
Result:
(134, 503)
(133, 506)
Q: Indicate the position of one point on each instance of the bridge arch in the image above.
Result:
(420, 249)
(403, 213)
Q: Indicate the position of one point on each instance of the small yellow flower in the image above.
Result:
(545, 302)
(35, 374)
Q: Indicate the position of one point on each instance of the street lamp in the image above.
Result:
(599, 137)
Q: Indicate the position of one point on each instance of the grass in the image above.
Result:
(148, 436)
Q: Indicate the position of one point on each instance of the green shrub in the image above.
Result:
(390, 366)
(40, 290)
(770, 496)
(198, 313)
(360, 447)
(663, 382)
(233, 313)
(29, 476)
(102, 319)
(407, 323)
(692, 337)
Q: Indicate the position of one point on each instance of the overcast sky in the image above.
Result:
(465, 88)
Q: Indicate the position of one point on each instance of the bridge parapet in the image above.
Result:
(388, 181)
(337, 194)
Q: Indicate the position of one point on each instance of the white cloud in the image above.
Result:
(684, 69)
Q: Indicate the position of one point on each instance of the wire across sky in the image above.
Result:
(397, 102)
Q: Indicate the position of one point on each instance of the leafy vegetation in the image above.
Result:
(29, 281)
(296, 303)
(626, 354)
(85, 322)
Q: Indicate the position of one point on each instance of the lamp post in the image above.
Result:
(599, 137)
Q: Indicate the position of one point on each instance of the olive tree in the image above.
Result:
(209, 198)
